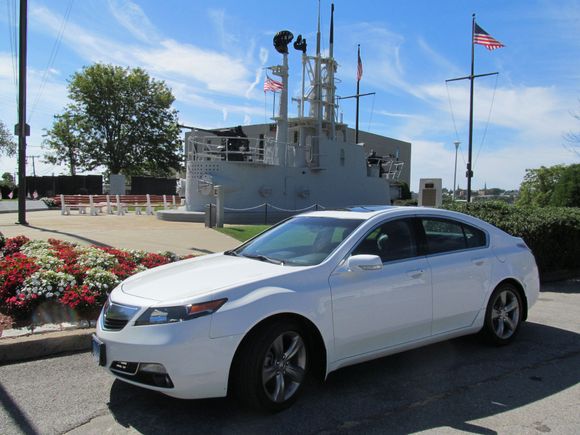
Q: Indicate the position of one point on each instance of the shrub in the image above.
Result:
(552, 233)
(77, 276)
(2, 241)
(14, 270)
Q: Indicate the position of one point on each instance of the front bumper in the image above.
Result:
(197, 365)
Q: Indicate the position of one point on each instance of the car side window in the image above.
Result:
(393, 240)
(475, 237)
(444, 235)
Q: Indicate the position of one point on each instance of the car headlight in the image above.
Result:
(159, 315)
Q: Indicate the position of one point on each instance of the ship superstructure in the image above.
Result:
(295, 162)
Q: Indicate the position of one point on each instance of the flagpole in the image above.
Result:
(274, 106)
(357, 97)
(471, 80)
(471, 77)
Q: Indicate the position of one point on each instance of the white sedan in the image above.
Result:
(315, 293)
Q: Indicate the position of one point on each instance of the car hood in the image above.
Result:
(189, 279)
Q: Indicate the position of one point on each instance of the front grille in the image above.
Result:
(114, 324)
(116, 316)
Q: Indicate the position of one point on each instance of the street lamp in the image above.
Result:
(455, 172)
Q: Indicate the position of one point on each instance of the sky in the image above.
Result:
(212, 55)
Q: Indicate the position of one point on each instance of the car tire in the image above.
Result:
(272, 367)
(503, 316)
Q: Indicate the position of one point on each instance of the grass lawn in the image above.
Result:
(242, 232)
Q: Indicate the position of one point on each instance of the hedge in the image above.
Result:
(552, 233)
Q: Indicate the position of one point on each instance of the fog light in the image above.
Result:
(152, 368)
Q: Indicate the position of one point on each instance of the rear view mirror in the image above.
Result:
(365, 262)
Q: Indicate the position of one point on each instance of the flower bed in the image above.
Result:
(36, 272)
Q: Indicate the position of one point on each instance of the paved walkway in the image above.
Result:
(129, 232)
(7, 206)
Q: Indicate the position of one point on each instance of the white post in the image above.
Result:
(173, 201)
(93, 210)
(164, 202)
(120, 211)
(109, 207)
(149, 209)
(63, 210)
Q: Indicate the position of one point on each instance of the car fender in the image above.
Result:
(241, 315)
(522, 268)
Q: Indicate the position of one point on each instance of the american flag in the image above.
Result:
(11, 194)
(481, 37)
(359, 69)
(272, 85)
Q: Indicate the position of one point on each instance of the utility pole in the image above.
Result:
(22, 129)
(33, 166)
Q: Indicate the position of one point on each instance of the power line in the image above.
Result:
(51, 58)
(487, 123)
(13, 43)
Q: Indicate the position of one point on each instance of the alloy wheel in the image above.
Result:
(284, 367)
(505, 314)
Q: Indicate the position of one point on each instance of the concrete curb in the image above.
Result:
(42, 345)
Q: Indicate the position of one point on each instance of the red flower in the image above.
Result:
(14, 244)
(14, 269)
(153, 260)
(83, 299)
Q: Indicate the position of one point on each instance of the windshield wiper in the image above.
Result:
(231, 252)
(264, 258)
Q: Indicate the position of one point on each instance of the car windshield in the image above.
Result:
(300, 241)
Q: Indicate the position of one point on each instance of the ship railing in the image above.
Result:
(230, 148)
(394, 170)
(265, 213)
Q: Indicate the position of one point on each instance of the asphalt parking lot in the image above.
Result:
(462, 385)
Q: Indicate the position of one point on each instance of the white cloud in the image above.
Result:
(504, 168)
(259, 72)
(227, 39)
(132, 18)
(166, 58)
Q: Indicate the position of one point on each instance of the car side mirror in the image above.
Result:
(365, 262)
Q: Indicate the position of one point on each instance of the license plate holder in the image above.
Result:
(99, 351)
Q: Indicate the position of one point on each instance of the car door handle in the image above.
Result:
(415, 273)
(478, 261)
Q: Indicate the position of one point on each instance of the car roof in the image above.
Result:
(363, 212)
(367, 212)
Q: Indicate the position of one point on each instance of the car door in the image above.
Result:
(460, 271)
(377, 309)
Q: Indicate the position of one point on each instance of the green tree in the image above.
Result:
(538, 185)
(64, 142)
(7, 144)
(405, 191)
(8, 179)
(123, 120)
(567, 190)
